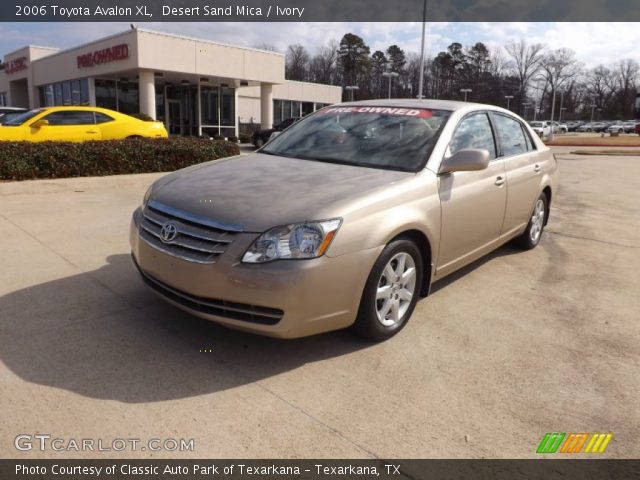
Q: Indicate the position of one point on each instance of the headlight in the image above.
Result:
(146, 197)
(299, 240)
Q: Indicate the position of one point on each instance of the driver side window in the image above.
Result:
(474, 132)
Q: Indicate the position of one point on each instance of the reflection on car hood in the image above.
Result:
(261, 191)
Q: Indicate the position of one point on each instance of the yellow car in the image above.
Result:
(77, 124)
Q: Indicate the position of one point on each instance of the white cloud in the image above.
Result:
(594, 43)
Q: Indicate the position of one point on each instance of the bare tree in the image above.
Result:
(627, 72)
(525, 62)
(558, 67)
(323, 64)
(600, 85)
(297, 63)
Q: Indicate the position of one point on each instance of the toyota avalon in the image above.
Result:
(346, 218)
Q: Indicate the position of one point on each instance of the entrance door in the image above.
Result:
(175, 122)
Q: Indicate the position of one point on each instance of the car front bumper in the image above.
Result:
(285, 298)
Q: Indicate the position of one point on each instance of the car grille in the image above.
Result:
(211, 306)
(194, 241)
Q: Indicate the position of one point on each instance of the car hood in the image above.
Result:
(258, 191)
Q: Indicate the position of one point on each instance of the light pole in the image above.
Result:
(592, 109)
(351, 88)
(508, 97)
(599, 110)
(390, 76)
(465, 91)
(424, 31)
(525, 105)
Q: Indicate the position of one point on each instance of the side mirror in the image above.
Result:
(40, 123)
(465, 161)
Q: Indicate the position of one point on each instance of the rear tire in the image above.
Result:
(391, 292)
(530, 238)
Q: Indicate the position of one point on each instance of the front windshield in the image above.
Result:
(22, 118)
(377, 137)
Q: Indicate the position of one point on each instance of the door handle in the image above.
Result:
(91, 131)
(499, 181)
(536, 168)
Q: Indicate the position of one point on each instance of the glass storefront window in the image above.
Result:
(307, 108)
(106, 94)
(84, 91)
(277, 112)
(57, 92)
(227, 109)
(128, 101)
(75, 92)
(66, 93)
(209, 105)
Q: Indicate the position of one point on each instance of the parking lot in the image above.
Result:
(514, 346)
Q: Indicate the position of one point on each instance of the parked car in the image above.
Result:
(4, 111)
(5, 117)
(77, 124)
(573, 126)
(559, 127)
(542, 129)
(592, 127)
(261, 137)
(617, 127)
(326, 228)
(629, 126)
(638, 128)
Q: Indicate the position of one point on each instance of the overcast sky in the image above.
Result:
(594, 43)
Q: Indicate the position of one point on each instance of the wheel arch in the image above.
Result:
(424, 245)
(547, 191)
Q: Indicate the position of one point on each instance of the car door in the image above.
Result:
(472, 203)
(523, 167)
(67, 126)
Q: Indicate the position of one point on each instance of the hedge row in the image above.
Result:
(26, 160)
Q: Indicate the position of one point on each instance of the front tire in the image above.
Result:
(533, 233)
(259, 142)
(391, 292)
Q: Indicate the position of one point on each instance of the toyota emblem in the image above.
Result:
(169, 232)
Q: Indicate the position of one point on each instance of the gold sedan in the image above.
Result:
(346, 218)
(77, 124)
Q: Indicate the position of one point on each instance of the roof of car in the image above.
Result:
(415, 103)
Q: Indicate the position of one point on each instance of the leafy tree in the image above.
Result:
(353, 61)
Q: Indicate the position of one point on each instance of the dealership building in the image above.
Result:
(194, 86)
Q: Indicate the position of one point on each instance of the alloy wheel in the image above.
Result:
(396, 288)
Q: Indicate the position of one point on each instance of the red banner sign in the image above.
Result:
(106, 55)
(16, 65)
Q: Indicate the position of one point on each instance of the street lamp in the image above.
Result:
(351, 88)
(508, 97)
(390, 76)
(525, 105)
(465, 91)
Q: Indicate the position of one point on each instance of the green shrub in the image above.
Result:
(26, 160)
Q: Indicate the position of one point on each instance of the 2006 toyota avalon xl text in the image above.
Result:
(346, 218)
